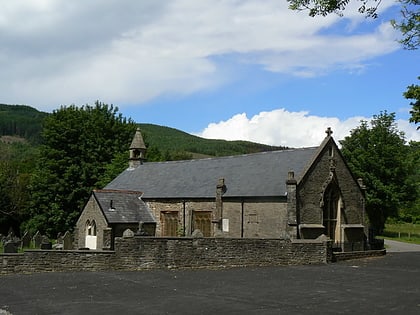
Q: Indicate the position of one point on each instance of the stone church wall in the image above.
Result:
(248, 219)
(91, 212)
(309, 192)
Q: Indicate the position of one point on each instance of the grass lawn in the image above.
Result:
(404, 232)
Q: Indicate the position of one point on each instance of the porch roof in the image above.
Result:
(123, 206)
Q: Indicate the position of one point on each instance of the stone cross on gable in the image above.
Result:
(329, 132)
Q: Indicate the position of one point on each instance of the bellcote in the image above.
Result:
(137, 150)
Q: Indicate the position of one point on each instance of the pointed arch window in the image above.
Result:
(91, 228)
(90, 238)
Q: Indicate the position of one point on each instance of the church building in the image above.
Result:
(303, 193)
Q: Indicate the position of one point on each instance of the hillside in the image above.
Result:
(22, 121)
(173, 140)
(26, 122)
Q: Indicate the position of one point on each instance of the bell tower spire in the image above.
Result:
(137, 150)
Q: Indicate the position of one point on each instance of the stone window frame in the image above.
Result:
(90, 228)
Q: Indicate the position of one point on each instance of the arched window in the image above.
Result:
(91, 228)
(90, 239)
(88, 226)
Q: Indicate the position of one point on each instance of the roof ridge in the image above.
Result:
(233, 156)
(121, 191)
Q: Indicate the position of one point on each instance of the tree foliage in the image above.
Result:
(17, 160)
(378, 154)
(410, 211)
(408, 24)
(413, 93)
(78, 143)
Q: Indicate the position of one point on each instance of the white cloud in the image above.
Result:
(293, 129)
(63, 52)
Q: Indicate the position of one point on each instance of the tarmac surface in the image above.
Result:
(381, 285)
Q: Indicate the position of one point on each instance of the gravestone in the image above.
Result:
(26, 240)
(59, 243)
(45, 243)
(10, 247)
(37, 239)
(128, 233)
(67, 241)
(197, 233)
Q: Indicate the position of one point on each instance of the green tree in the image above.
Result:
(413, 93)
(377, 153)
(411, 209)
(78, 144)
(16, 166)
(408, 24)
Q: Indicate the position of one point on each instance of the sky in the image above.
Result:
(225, 69)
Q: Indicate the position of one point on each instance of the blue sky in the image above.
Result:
(250, 70)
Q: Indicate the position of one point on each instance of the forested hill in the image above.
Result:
(173, 140)
(26, 122)
(21, 120)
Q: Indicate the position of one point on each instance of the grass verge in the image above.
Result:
(403, 232)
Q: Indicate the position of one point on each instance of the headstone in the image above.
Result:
(10, 247)
(128, 233)
(57, 246)
(26, 240)
(67, 241)
(197, 233)
(59, 242)
(37, 239)
(45, 243)
(322, 238)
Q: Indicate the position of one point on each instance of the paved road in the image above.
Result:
(383, 285)
(400, 247)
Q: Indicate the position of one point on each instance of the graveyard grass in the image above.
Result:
(404, 232)
(20, 249)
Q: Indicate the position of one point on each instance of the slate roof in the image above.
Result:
(126, 206)
(252, 175)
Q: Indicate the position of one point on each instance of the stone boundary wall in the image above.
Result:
(32, 261)
(358, 255)
(139, 253)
